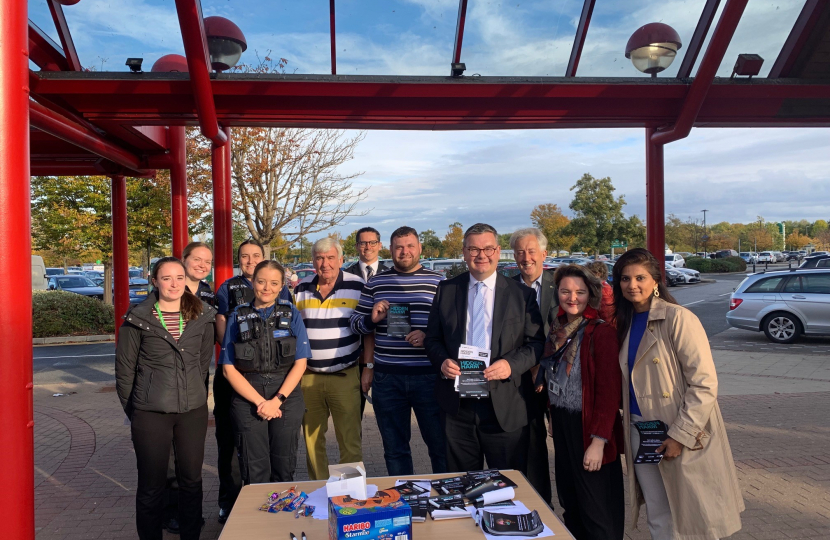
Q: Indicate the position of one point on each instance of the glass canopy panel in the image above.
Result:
(395, 37)
(613, 23)
(763, 30)
(519, 37)
(39, 14)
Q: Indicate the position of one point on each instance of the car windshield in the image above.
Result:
(72, 282)
(669, 257)
(135, 273)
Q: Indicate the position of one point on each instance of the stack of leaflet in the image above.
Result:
(416, 494)
(479, 488)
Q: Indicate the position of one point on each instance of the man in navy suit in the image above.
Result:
(484, 309)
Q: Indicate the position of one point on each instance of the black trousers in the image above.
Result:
(538, 465)
(230, 481)
(153, 434)
(474, 434)
(593, 501)
(267, 449)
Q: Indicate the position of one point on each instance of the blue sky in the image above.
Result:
(428, 179)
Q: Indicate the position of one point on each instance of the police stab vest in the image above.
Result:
(239, 293)
(264, 346)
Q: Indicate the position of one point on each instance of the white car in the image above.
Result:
(691, 276)
(676, 260)
(766, 256)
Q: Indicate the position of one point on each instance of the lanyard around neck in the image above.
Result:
(161, 320)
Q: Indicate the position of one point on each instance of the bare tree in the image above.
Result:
(288, 185)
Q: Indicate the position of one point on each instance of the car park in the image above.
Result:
(673, 276)
(676, 260)
(783, 304)
(76, 284)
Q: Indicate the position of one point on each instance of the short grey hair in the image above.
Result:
(324, 245)
(480, 228)
(530, 231)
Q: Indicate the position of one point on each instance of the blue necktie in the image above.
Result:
(479, 325)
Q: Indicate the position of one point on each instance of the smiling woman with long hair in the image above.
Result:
(669, 375)
(583, 383)
(161, 364)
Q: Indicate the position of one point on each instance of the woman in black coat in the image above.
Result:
(164, 350)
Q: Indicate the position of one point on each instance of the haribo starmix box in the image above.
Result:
(385, 516)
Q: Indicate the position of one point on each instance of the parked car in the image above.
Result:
(816, 261)
(748, 257)
(76, 284)
(573, 260)
(783, 305)
(766, 257)
(54, 271)
(441, 266)
(139, 289)
(305, 272)
(673, 276)
(685, 254)
(676, 260)
(793, 256)
(779, 256)
(724, 253)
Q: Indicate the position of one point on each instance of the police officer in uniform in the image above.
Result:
(232, 293)
(264, 354)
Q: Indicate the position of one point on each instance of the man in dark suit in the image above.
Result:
(529, 248)
(368, 247)
(489, 311)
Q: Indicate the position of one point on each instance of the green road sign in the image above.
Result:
(618, 244)
(98, 261)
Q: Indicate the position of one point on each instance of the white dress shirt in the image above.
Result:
(489, 290)
(363, 267)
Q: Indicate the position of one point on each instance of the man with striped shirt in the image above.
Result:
(331, 384)
(401, 376)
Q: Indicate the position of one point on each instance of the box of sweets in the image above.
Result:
(386, 516)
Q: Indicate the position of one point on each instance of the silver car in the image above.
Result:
(783, 305)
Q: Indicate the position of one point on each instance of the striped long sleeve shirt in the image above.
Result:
(416, 289)
(334, 346)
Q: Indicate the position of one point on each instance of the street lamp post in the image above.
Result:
(705, 236)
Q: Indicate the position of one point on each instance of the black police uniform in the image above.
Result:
(230, 480)
(264, 353)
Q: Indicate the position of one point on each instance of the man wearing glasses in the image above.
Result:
(481, 312)
(368, 247)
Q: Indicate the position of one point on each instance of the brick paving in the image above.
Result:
(85, 473)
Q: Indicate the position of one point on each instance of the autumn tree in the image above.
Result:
(796, 240)
(430, 244)
(74, 215)
(453, 243)
(554, 225)
(598, 215)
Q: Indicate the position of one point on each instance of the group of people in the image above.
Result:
(567, 357)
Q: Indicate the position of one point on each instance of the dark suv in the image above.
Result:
(724, 253)
(816, 261)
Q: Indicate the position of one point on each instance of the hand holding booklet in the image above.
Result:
(472, 361)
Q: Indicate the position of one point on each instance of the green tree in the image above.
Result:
(598, 216)
(430, 244)
(818, 227)
(350, 245)
(554, 225)
(504, 241)
(73, 215)
(454, 241)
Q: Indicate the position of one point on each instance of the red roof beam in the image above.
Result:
(65, 36)
(44, 52)
(198, 65)
(810, 13)
(61, 127)
(459, 31)
(579, 38)
(712, 59)
(696, 43)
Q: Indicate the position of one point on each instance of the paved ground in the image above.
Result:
(775, 400)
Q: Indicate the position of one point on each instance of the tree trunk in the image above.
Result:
(108, 282)
(267, 248)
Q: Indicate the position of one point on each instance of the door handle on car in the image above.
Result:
(799, 297)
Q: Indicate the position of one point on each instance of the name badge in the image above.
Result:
(553, 388)
(281, 333)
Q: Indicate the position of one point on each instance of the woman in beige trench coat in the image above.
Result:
(673, 379)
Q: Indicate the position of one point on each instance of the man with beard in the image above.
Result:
(395, 306)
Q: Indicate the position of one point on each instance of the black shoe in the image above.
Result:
(223, 515)
(171, 525)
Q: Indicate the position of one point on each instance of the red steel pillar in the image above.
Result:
(655, 198)
(178, 188)
(17, 496)
(222, 224)
(120, 250)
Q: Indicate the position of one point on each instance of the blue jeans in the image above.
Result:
(394, 397)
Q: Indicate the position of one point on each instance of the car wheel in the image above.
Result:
(781, 327)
